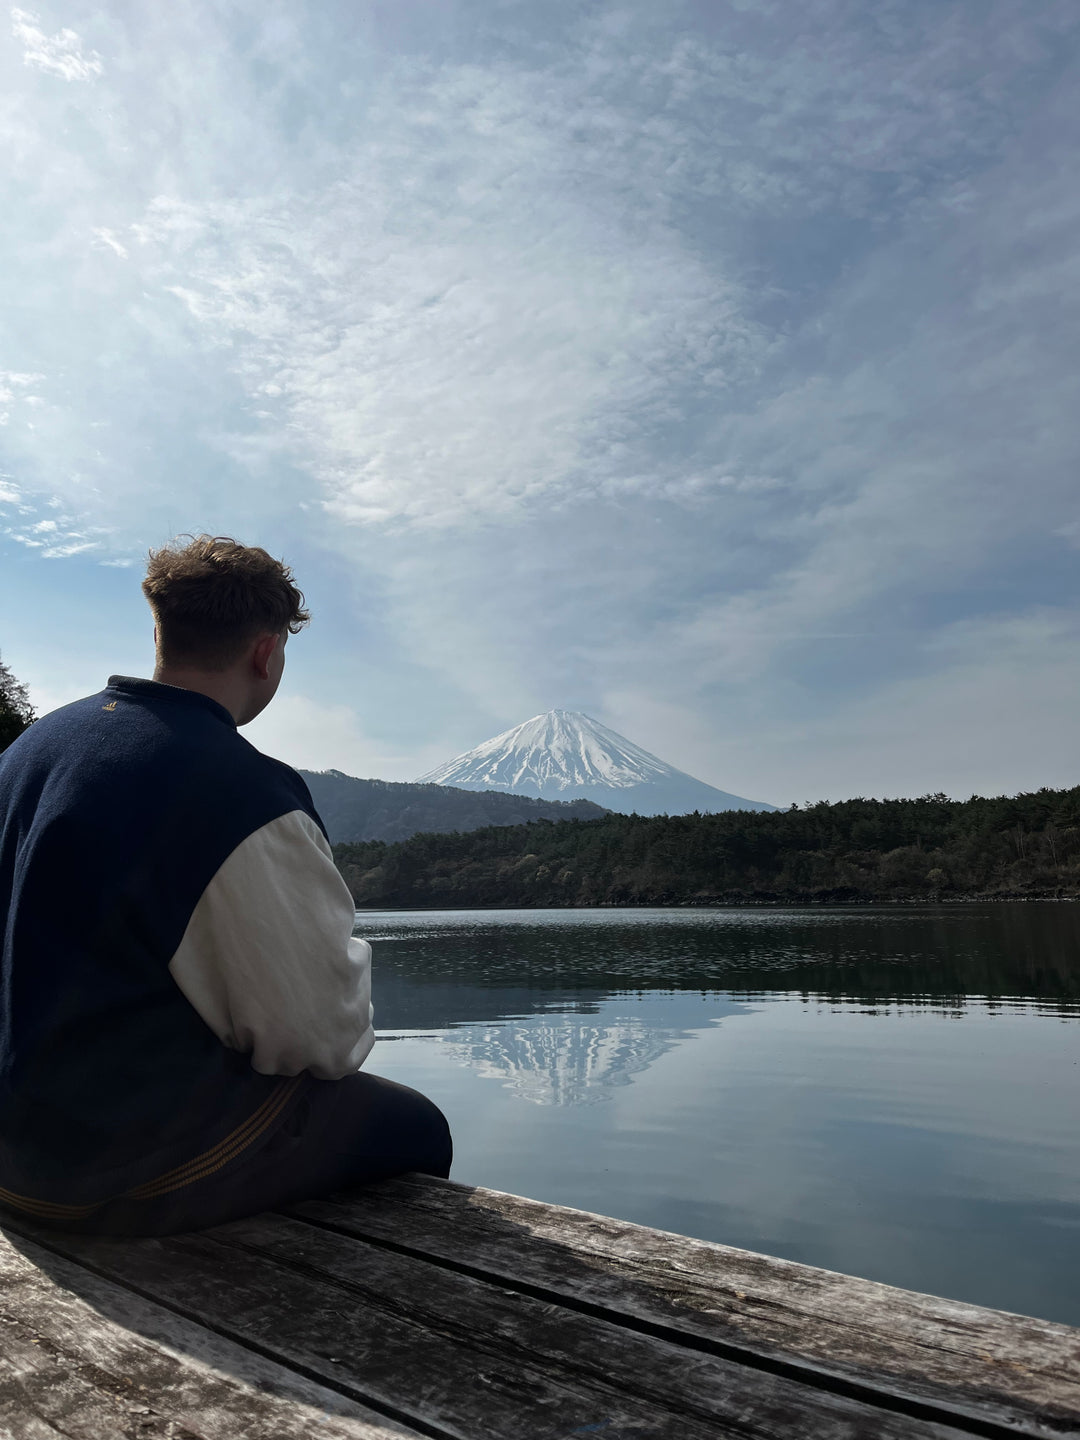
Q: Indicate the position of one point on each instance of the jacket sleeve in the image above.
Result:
(268, 959)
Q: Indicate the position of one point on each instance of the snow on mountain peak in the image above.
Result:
(564, 755)
(559, 750)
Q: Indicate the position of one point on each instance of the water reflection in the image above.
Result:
(576, 1057)
(553, 1064)
(890, 1093)
(443, 968)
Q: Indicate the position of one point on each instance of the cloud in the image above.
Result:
(726, 359)
(488, 308)
(991, 714)
(60, 54)
(55, 538)
(463, 376)
(491, 293)
(12, 391)
(109, 241)
(316, 736)
(986, 708)
(12, 379)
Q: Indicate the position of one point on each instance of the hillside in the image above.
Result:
(856, 850)
(354, 809)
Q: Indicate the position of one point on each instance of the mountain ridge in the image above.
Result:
(355, 810)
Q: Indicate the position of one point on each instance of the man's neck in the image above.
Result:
(227, 688)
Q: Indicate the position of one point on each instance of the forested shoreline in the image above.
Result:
(848, 852)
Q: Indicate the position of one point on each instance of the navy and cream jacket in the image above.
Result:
(176, 951)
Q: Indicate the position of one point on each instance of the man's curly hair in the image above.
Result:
(211, 596)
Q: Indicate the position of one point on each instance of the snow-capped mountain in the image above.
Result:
(564, 755)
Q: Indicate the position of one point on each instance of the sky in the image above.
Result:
(709, 367)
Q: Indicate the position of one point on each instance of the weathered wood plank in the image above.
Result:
(679, 1380)
(18, 1423)
(68, 1369)
(40, 1383)
(459, 1356)
(978, 1363)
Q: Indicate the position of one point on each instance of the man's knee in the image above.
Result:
(401, 1125)
(430, 1134)
(443, 1147)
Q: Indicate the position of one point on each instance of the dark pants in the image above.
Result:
(336, 1134)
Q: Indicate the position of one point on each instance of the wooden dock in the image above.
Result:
(422, 1307)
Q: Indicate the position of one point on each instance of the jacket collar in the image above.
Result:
(155, 690)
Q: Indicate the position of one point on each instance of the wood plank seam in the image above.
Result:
(618, 1265)
(678, 1407)
(738, 1421)
(351, 1392)
(99, 1329)
(820, 1379)
(468, 1393)
(579, 1306)
(927, 1325)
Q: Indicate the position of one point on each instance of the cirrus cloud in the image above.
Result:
(60, 54)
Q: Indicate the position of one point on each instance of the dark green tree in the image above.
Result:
(849, 852)
(16, 712)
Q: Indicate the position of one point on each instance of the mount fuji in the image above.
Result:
(564, 755)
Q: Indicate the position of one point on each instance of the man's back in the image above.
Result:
(116, 813)
(184, 1009)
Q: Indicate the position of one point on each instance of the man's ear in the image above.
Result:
(260, 656)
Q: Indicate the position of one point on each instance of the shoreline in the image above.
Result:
(803, 903)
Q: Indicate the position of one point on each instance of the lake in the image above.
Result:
(888, 1092)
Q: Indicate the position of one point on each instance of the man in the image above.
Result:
(183, 1011)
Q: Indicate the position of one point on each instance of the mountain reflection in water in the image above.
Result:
(887, 1092)
(575, 1058)
(550, 1064)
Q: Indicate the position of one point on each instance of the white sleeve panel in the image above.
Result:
(268, 960)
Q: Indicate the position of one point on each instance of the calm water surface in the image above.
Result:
(892, 1092)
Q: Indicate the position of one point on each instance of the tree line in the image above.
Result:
(851, 851)
(16, 712)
